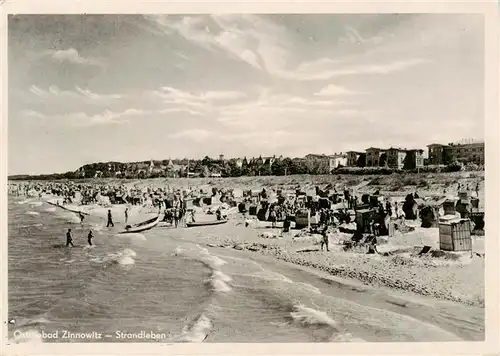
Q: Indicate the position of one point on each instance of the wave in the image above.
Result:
(31, 225)
(51, 209)
(36, 203)
(198, 331)
(32, 213)
(133, 236)
(214, 261)
(219, 282)
(23, 322)
(126, 260)
(124, 257)
(178, 251)
(29, 336)
(23, 202)
(309, 317)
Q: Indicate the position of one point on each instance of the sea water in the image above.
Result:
(165, 285)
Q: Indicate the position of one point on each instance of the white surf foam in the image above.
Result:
(214, 261)
(133, 236)
(345, 337)
(128, 252)
(178, 251)
(198, 332)
(126, 261)
(36, 203)
(29, 336)
(23, 202)
(308, 316)
(32, 213)
(32, 225)
(220, 282)
(51, 209)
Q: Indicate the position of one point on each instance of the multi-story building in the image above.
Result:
(436, 154)
(396, 158)
(337, 160)
(462, 152)
(356, 159)
(468, 152)
(375, 157)
(334, 161)
(414, 159)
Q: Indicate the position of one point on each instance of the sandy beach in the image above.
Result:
(444, 275)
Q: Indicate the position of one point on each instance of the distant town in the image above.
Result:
(440, 157)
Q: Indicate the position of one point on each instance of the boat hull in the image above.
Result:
(206, 223)
(146, 225)
(67, 209)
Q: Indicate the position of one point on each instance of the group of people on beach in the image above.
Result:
(90, 236)
(69, 238)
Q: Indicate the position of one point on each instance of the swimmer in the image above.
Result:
(69, 239)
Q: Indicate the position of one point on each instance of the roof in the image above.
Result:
(375, 149)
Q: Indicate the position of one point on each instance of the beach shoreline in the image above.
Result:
(457, 277)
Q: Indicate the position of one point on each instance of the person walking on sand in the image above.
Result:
(272, 217)
(69, 239)
(89, 237)
(110, 219)
(477, 190)
(176, 217)
(324, 238)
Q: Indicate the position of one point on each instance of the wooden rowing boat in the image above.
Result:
(143, 226)
(205, 223)
(67, 209)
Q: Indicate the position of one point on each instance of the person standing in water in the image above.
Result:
(110, 219)
(82, 217)
(126, 216)
(89, 237)
(69, 239)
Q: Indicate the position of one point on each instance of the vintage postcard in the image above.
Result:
(235, 178)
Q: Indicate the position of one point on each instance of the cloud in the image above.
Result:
(195, 104)
(222, 95)
(333, 70)
(353, 37)
(32, 113)
(180, 110)
(53, 92)
(94, 96)
(71, 55)
(106, 118)
(248, 38)
(193, 134)
(334, 90)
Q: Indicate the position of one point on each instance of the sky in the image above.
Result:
(97, 88)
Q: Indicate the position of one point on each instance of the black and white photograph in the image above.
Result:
(246, 178)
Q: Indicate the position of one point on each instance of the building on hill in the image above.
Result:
(375, 157)
(469, 152)
(436, 154)
(414, 159)
(333, 161)
(396, 158)
(356, 159)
